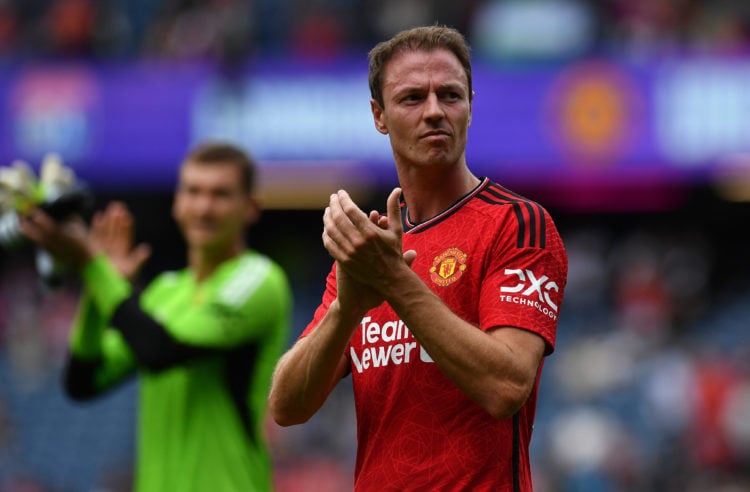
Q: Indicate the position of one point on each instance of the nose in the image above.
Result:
(432, 108)
(202, 203)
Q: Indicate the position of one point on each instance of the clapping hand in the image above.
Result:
(366, 248)
(112, 233)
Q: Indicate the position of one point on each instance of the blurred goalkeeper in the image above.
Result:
(204, 340)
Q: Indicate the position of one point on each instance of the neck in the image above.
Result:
(428, 192)
(204, 262)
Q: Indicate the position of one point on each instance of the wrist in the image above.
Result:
(84, 257)
(347, 315)
(105, 285)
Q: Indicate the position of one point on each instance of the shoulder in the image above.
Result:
(167, 279)
(495, 198)
(247, 274)
(252, 264)
(524, 220)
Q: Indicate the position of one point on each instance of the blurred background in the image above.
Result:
(628, 119)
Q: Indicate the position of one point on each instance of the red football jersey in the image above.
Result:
(496, 259)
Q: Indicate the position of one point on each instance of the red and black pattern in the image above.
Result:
(416, 430)
(531, 217)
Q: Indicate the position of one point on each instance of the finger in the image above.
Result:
(338, 224)
(332, 236)
(351, 209)
(103, 221)
(394, 211)
(141, 254)
(410, 256)
(101, 224)
(117, 206)
(100, 230)
(40, 218)
(119, 227)
(374, 217)
(123, 227)
(120, 214)
(331, 246)
(97, 221)
(120, 220)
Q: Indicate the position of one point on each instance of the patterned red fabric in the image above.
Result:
(497, 260)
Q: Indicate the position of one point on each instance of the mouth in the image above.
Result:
(202, 227)
(435, 135)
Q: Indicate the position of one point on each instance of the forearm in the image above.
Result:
(85, 357)
(153, 346)
(104, 286)
(97, 360)
(150, 342)
(88, 329)
(306, 374)
(489, 367)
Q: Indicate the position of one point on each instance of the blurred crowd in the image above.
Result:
(233, 31)
(650, 386)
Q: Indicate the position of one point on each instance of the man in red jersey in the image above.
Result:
(443, 310)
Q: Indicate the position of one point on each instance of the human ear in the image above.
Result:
(377, 115)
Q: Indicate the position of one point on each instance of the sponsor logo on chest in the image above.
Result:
(387, 344)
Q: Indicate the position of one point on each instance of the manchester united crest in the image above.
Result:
(448, 266)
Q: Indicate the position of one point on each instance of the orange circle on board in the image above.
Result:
(593, 108)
